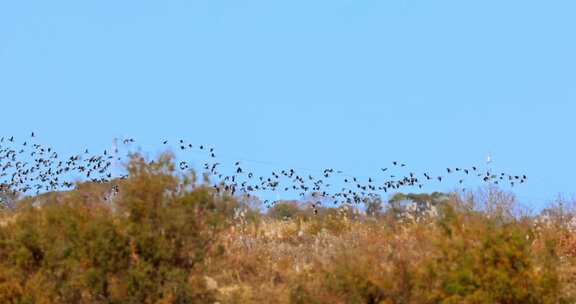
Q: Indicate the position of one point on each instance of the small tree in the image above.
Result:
(374, 207)
(284, 210)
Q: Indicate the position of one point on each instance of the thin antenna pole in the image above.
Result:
(115, 154)
(489, 162)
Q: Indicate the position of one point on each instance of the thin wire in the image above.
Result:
(276, 164)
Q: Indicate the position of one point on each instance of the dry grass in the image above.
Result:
(338, 260)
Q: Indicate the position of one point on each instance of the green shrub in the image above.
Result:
(148, 249)
(482, 260)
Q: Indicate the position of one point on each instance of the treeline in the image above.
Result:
(163, 237)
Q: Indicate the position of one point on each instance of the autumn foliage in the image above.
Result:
(169, 238)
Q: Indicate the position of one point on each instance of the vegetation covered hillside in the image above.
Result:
(159, 236)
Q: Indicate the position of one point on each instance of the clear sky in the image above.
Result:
(313, 84)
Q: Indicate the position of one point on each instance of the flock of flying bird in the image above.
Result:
(27, 167)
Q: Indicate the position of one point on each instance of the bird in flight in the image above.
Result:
(33, 167)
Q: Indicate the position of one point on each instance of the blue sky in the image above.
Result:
(313, 84)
